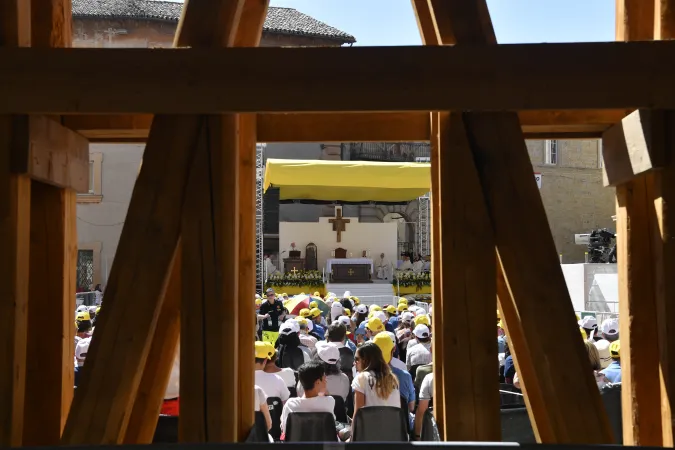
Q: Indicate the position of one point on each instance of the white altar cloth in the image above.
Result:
(331, 261)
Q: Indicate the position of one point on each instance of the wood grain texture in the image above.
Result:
(53, 266)
(247, 271)
(353, 127)
(633, 146)
(14, 250)
(52, 23)
(641, 397)
(457, 77)
(51, 153)
(469, 293)
(157, 370)
(209, 388)
(119, 349)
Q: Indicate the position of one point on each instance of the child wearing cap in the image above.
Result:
(316, 317)
(291, 352)
(337, 383)
(271, 384)
(420, 353)
(313, 381)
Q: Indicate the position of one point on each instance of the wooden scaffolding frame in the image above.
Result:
(185, 264)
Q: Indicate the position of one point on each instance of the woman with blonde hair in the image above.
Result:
(375, 384)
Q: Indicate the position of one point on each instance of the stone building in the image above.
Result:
(114, 167)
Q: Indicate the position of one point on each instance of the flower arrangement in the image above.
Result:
(309, 278)
(405, 278)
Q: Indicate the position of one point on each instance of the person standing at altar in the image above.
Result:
(418, 265)
(382, 267)
(405, 264)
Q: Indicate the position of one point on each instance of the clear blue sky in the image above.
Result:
(392, 22)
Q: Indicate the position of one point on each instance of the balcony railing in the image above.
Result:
(389, 152)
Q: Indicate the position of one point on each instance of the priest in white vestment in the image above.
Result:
(418, 265)
(270, 268)
(405, 264)
(382, 267)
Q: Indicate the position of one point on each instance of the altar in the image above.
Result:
(350, 270)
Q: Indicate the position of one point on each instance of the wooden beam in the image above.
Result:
(49, 152)
(119, 350)
(157, 371)
(53, 261)
(469, 293)
(209, 318)
(517, 213)
(52, 23)
(14, 250)
(633, 146)
(662, 192)
(454, 77)
(641, 397)
(353, 127)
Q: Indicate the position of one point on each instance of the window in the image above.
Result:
(551, 154)
(94, 194)
(601, 161)
(88, 265)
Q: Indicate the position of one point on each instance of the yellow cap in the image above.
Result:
(302, 321)
(375, 308)
(499, 324)
(313, 305)
(258, 302)
(83, 315)
(315, 312)
(263, 349)
(375, 325)
(304, 312)
(402, 307)
(583, 333)
(403, 300)
(317, 294)
(578, 318)
(498, 315)
(385, 343)
(615, 350)
(348, 312)
(391, 309)
(284, 295)
(98, 309)
(356, 300)
(422, 319)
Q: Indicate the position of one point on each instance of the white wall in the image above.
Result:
(375, 237)
(579, 279)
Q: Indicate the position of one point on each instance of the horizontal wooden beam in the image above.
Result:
(633, 146)
(354, 127)
(50, 152)
(427, 78)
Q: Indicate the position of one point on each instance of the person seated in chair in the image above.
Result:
(271, 384)
(289, 348)
(337, 383)
(312, 376)
(426, 395)
(261, 405)
(286, 373)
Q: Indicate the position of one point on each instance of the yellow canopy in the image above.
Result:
(347, 181)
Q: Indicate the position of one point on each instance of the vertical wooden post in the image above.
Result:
(209, 388)
(247, 272)
(53, 265)
(438, 334)
(14, 250)
(641, 396)
(661, 192)
(469, 293)
(157, 370)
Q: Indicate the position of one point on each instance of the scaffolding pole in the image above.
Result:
(424, 225)
(260, 173)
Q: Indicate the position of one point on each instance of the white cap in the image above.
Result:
(328, 353)
(347, 294)
(588, 322)
(258, 296)
(362, 309)
(344, 320)
(288, 327)
(407, 316)
(603, 351)
(421, 331)
(337, 306)
(372, 308)
(392, 336)
(610, 327)
(380, 315)
(81, 350)
(329, 301)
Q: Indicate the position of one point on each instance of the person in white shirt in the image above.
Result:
(420, 353)
(375, 384)
(271, 384)
(261, 405)
(382, 267)
(337, 383)
(426, 394)
(312, 376)
(418, 265)
(286, 373)
(405, 264)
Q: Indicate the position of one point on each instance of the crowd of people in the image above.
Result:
(341, 356)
